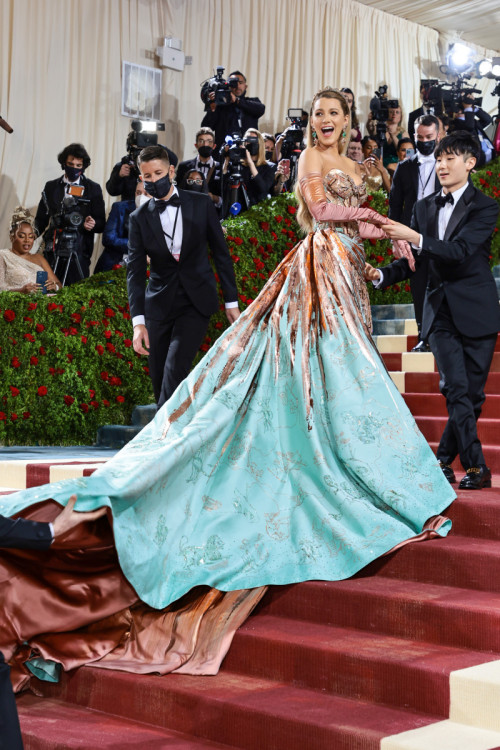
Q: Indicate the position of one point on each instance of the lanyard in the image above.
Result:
(427, 180)
(171, 236)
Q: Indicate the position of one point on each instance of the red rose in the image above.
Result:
(15, 362)
(39, 327)
(127, 343)
(264, 225)
(235, 258)
(83, 339)
(32, 305)
(33, 360)
(119, 333)
(109, 312)
(110, 347)
(73, 331)
(76, 317)
(95, 404)
(91, 302)
(13, 416)
(291, 210)
(42, 390)
(9, 316)
(26, 414)
(116, 267)
(126, 316)
(52, 306)
(278, 218)
(99, 349)
(28, 320)
(69, 357)
(29, 337)
(105, 402)
(146, 369)
(84, 407)
(115, 381)
(120, 399)
(219, 325)
(14, 391)
(104, 375)
(253, 240)
(3, 416)
(108, 334)
(238, 240)
(204, 347)
(91, 392)
(42, 350)
(274, 235)
(68, 400)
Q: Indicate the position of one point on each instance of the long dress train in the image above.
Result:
(286, 455)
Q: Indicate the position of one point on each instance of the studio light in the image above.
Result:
(484, 67)
(460, 58)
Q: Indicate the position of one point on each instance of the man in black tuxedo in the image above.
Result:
(80, 195)
(23, 534)
(414, 179)
(170, 316)
(236, 117)
(205, 163)
(461, 318)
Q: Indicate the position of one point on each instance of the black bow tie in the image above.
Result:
(442, 200)
(173, 201)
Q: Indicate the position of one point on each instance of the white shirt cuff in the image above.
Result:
(138, 320)
(418, 247)
(379, 281)
(229, 305)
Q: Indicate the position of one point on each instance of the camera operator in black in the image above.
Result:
(236, 117)
(473, 119)
(74, 160)
(124, 175)
(254, 175)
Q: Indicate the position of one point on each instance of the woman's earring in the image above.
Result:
(343, 137)
(314, 137)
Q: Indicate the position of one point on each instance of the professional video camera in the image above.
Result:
(292, 143)
(65, 230)
(143, 133)
(234, 147)
(449, 98)
(379, 107)
(218, 86)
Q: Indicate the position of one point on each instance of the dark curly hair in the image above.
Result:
(76, 150)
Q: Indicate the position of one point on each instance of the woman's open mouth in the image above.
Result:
(327, 130)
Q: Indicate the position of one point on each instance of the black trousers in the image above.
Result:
(173, 344)
(463, 365)
(10, 733)
(418, 284)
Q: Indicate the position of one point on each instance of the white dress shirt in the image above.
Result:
(426, 170)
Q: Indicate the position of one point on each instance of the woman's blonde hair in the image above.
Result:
(261, 158)
(21, 216)
(303, 216)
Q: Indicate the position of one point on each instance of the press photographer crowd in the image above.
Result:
(237, 166)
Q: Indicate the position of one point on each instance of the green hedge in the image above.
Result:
(66, 362)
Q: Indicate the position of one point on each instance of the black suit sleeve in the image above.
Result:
(24, 534)
(220, 253)
(252, 106)
(136, 267)
(115, 185)
(471, 238)
(396, 195)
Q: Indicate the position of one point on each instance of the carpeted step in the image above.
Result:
(455, 561)
(428, 382)
(52, 725)
(18, 474)
(432, 428)
(434, 405)
(479, 517)
(353, 663)
(251, 713)
(408, 609)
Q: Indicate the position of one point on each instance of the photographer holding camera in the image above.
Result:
(246, 175)
(72, 207)
(229, 110)
(124, 175)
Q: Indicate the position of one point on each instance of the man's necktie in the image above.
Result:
(173, 201)
(442, 200)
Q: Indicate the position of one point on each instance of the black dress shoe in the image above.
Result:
(476, 478)
(422, 346)
(448, 472)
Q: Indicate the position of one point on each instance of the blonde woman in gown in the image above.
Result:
(286, 455)
(18, 268)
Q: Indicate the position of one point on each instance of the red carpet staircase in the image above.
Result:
(328, 666)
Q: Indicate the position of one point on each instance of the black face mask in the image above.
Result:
(269, 155)
(252, 146)
(158, 189)
(195, 188)
(205, 151)
(72, 173)
(426, 148)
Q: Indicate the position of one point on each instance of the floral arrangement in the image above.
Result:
(67, 364)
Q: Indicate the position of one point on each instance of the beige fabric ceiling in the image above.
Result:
(476, 21)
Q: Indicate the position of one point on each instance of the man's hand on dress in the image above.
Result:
(68, 518)
(232, 314)
(141, 339)
(371, 273)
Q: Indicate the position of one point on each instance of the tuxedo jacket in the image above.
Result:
(214, 183)
(50, 203)
(24, 534)
(192, 272)
(458, 265)
(404, 190)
